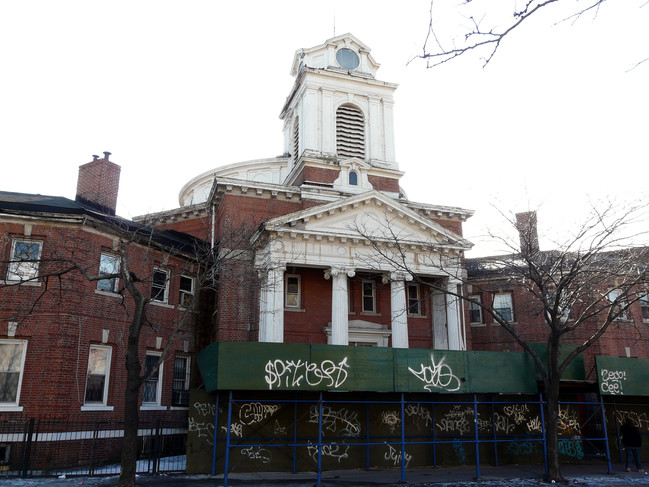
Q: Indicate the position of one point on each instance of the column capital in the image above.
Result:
(335, 270)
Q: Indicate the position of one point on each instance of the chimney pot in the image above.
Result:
(527, 232)
(95, 157)
(106, 155)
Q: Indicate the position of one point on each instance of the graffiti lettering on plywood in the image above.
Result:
(236, 429)
(337, 451)
(419, 412)
(503, 424)
(517, 412)
(611, 381)
(639, 420)
(202, 430)
(524, 448)
(278, 429)
(438, 375)
(341, 421)
(394, 456)
(534, 425)
(293, 373)
(458, 448)
(391, 418)
(205, 409)
(568, 422)
(456, 420)
(571, 448)
(256, 412)
(257, 453)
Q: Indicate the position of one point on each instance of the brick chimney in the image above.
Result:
(98, 184)
(527, 232)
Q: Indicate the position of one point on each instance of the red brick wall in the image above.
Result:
(384, 184)
(60, 325)
(99, 183)
(320, 175)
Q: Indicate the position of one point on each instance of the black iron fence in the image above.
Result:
(55, 446)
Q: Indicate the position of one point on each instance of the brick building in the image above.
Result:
(62, 336)
(318, 216)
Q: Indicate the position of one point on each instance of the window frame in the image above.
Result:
(352, 178)
(644, 307)
(115, 286)
(509, 294)
(475, 307)
(624, 315)
(104, 402)
(298, 294)
(160, 270)
(416, 301)
(157, 404)
(182, 293)
(372, 296)
(186, 380)
(14, 405)
(14, 265)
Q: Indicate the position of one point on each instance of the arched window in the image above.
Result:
(353, 178)
(296, 139)
(350, 132)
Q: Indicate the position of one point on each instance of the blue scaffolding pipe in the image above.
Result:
(403, 440)
(319, 481)
(228, 427)
(608, 453)
(477, 436)
(216, 422)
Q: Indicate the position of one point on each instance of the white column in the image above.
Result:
(399, 309)
(339, 304)
(271, 312)
(453, 319)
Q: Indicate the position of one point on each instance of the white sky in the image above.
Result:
(174, 89)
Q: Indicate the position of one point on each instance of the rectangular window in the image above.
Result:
(180, 390)
(108, 264)
(160, 285)
(292, 292)
(186, 297)
(475, 311)
(98, 375)
(152, 393)
(644, 306)
(24, 260)
(12, 364)
(414, 301)
(503, 306)
(614, 297)
(369, 297)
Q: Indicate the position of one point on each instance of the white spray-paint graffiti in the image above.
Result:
(517, 412)
(394, 456)
(611, 381)
(391, 418)
(437, 376)
(205, 409)
(417, 411)
(334, 450)
(502, 424)
(639, 420)
(236, 429)
(456, 420)
(291, 373)
(256, 412)
(534, 425)
(203, 429)
(278, 429)
(257, 453)
(341, 421)
(568, 422)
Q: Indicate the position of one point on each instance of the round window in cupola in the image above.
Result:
(347, 58)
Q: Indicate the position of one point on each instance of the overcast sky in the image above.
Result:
(174, 89)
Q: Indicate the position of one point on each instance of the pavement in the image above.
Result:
(582, 475)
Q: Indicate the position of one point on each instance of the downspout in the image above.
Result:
(462, 303)
(213, 224)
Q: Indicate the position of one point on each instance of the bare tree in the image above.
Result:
(486, 27)
(579, 290)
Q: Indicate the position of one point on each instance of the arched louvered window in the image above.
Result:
(296, 139)
(350, 132)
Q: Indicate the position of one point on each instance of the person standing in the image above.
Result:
(632, 441)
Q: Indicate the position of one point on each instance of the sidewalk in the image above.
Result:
(582, 475)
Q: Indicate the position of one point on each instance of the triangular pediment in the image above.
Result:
(367, 216)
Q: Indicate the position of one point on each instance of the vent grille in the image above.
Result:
(296, 139)
(350, 132)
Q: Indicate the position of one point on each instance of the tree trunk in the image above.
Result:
(131, 399)
(552, 414)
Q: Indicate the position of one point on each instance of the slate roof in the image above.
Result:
(58, 206)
